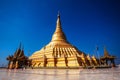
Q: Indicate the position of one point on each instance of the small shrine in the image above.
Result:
(107, 59)
(18, 60)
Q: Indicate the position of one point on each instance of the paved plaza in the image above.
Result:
(60, 74)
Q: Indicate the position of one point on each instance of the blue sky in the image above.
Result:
(86, 23)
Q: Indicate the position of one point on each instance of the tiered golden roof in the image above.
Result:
(18, 59)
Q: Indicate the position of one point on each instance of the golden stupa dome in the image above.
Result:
(58, 47)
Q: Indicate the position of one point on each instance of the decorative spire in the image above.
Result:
(88, 57)
(58, 34)
(20, 46)
(106, 52)
(58, 23)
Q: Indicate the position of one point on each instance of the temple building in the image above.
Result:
(107, 59)
(60, 53)
(18, 60)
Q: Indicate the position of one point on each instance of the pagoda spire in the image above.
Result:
(58, 23)
(58, 34)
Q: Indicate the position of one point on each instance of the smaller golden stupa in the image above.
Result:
(60, 53)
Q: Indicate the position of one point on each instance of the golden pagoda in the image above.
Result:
(59, 52)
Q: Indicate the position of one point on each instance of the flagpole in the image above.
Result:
(98, 54)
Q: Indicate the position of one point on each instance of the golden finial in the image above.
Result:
(58, 13)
